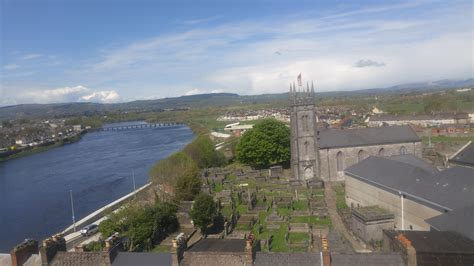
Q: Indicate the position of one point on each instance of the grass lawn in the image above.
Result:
(340, 197)
(279, 242)
(314, 220)
(297, 238)
(447, 139)
(284, 211)
(218, 187)
(301, 205)
(161, 249)
(242, 209)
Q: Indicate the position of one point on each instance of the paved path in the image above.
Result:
(338, 225)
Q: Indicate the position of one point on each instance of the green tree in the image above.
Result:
(140, 229)
(204, 211)
(268, 142)
(188, 186)
(165, 218)
(203, 152)
(171, 168)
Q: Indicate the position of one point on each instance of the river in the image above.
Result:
(34, 190)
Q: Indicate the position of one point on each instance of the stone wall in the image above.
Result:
(359, 193)
(350, 156)
(370, 231)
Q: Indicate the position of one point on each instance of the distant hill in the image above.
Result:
(203, 100)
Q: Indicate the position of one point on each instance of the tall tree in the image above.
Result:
(268, 142)
(203, 212)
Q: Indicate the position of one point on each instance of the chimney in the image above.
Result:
(50, 247)
(249, 249)
(410, 250)
(79, 248)
(326, 256)
(23, 251)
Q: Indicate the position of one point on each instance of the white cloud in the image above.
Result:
(30, 56)
(11, 66)
(102, 96)
(69, 94)
(200, 20)
(338, 50)
(368, 63)
(240, 56)
(201, 91)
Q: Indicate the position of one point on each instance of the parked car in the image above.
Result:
(89, 230)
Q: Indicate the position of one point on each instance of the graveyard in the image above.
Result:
(283, 217)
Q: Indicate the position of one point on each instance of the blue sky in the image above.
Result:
(112, 51)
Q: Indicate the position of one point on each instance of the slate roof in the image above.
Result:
(436, 242)
(333, 138)
(219, 245)
(63, 258)
(460, 221)
(449, 189)
(142, 259)
(465, 156)
(372, 259)
(288, 259)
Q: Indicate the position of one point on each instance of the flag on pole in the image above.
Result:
(299, 80)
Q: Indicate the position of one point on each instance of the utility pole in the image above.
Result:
(133, 177)
(134, 188)
(72, 208)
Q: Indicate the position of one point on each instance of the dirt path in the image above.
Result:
(338, 225)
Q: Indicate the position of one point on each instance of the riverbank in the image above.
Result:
(15, 154)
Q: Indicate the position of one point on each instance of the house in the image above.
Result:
(422, 120)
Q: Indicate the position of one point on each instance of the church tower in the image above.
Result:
(304, 142)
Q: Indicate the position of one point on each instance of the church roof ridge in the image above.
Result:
(338, 138)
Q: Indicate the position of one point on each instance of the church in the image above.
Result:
(323, 154)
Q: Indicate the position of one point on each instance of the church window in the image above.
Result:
(361, 155)
(305, 122)
(381, 152)
(403, 150)
(306, 147)
(340, 161)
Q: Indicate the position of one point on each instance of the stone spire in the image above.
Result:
(312, 87)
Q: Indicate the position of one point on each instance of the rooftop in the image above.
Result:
(290, 259)
(449, 189)
(459, 221)
(142, 259)
(372, 213)
(465, 156)
(436, 242)
(219, 245)
(333, 138)
(372, 259)
(79, 258)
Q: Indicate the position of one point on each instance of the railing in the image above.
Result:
(141, 126)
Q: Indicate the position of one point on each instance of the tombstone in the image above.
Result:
(275, 171)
